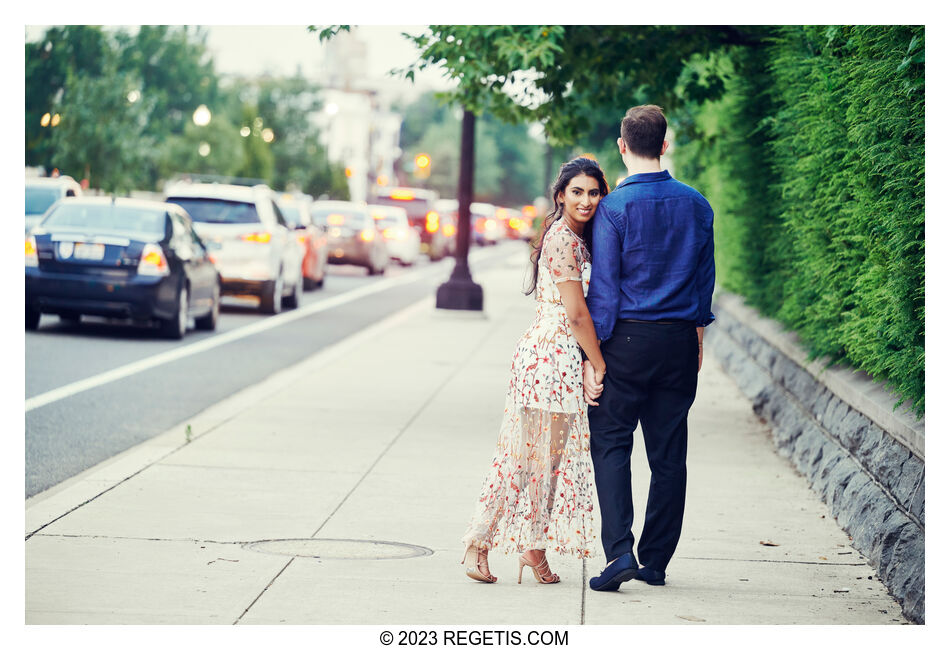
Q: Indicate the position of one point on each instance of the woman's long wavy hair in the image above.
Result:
(576, 167)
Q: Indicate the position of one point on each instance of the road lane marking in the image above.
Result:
(270, 322)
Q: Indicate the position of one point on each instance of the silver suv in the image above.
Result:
(42, 192)
(253, 247)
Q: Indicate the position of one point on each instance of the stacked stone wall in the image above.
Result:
(863, 459)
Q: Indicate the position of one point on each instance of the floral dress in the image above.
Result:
(539, 493)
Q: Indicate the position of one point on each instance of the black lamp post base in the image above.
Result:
(459, 294)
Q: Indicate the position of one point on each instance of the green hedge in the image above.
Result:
(813, 160)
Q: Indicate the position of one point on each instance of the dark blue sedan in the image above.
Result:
(121, 258)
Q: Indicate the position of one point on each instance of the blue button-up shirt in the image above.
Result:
(652, 255)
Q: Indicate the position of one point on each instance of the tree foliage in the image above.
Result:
(555, 74)
(101, 135)
(49, 62)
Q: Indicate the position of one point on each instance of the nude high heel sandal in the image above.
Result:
(542, 572)
(474, 560)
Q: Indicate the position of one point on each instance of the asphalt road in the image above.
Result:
(72, 426)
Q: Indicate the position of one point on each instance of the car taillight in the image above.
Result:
(153, 261)
(514, 223)
(257, 237)
(31, 258)
(432, 221)
(449, 230)
(480, 224)
(368, 235)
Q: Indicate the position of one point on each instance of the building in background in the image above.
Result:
(359, 129)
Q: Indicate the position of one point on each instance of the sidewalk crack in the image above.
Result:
(253, 602)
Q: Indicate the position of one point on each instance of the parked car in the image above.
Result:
(312, 239)
(436, 242)
(121, 258)
(42, 192)
(259, 254)
(401, 238)
(486, 227)
(352, 235)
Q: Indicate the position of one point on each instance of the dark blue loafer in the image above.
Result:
(621, 570)
(651, 576)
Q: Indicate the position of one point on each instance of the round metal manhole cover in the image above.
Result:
(339, 549)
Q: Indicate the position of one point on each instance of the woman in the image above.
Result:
(539, 490)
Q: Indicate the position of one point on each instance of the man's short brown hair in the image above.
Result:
(643, 130)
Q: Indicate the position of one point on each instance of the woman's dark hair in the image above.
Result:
(576, 167)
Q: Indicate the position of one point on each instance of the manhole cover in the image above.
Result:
(339, 549)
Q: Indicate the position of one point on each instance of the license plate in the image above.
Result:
(89, 251)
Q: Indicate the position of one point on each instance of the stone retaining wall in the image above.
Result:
(864, 459)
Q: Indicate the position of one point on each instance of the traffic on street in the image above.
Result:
(97, 387)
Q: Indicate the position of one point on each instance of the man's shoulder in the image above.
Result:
(626, 195)
(688, 190)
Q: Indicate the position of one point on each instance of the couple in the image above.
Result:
(588, 371)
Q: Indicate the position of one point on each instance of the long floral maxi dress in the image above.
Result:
(539, 491)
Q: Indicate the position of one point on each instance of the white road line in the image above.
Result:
(248, 330)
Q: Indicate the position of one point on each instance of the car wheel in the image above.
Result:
(210, 321)
(295, 299)
(32, 319)
(273, 295)
(175, 327)
(309, 284)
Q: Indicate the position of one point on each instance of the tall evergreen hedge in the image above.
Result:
(813, 160)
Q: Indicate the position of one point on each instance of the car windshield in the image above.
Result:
(217, 210)
(291, 214)
(106, 218)
(38, 199)
(338, 217)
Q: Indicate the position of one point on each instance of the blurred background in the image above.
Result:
(271, 103)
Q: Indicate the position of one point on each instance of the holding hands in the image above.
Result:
(593, 383)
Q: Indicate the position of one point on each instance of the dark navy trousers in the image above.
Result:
(651, 380)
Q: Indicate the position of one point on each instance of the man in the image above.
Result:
(650, 295)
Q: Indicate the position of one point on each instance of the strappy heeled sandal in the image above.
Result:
(542, 572)
(474, 560)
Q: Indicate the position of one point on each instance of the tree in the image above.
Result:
(62, 51)
(558, 74)
(101, 135)
(258, 160)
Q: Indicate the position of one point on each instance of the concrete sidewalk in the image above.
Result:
(370, 455)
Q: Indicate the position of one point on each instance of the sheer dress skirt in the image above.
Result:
(539, 490)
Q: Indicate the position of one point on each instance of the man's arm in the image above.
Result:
(705, 283)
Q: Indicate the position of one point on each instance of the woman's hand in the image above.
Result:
(593, 383)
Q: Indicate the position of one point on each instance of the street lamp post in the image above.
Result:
(461, 292)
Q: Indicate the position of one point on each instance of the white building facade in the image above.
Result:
(359, 132)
